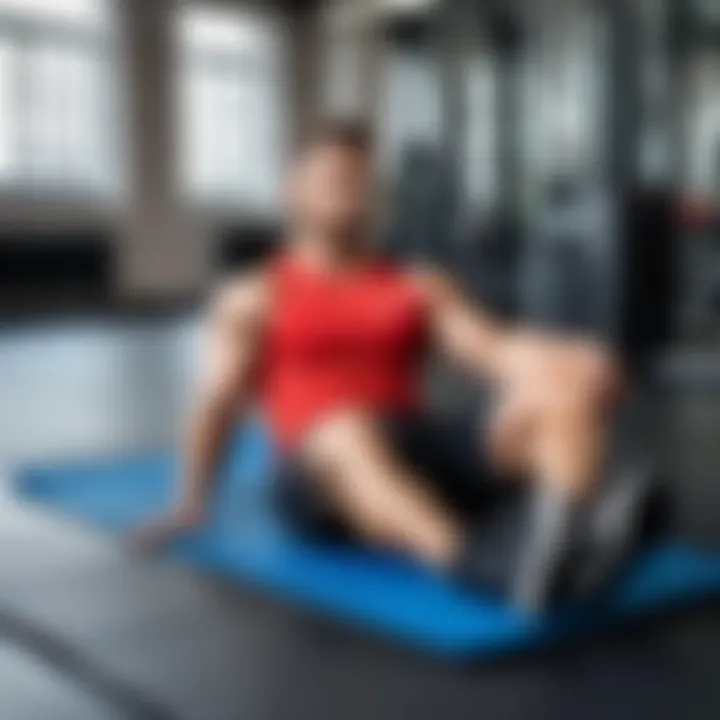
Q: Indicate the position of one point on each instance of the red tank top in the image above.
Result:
(349, 340)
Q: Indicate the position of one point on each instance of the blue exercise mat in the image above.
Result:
(377, 592)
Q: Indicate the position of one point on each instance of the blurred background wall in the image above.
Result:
(142, 143)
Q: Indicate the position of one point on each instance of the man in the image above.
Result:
(331, 340)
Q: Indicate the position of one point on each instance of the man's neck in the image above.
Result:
(331, 254)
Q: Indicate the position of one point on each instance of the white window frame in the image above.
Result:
(235, 63)
(22, 32)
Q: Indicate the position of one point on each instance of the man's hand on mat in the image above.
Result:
(159, 532)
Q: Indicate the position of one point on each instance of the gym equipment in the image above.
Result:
(423, 206)
(605, 263)
(375, 592)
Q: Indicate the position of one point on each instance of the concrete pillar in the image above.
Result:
(162, 253)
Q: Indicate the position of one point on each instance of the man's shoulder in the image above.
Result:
(242, 294)
(429, 281)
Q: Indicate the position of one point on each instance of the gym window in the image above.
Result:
(232, 119)
(57, 102)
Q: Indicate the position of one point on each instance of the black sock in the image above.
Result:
(551, 540)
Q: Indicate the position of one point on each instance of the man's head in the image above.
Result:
(330, 180)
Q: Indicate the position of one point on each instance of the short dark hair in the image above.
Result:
(346, 133)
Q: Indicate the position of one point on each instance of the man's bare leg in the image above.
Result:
(554, 431)
(388, 505)
(566, 449)
(554, 435)
(385, 503)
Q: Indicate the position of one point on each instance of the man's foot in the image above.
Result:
(525, 551)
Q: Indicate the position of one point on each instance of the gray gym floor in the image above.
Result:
(88, 631)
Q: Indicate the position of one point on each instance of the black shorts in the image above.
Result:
(449, 453)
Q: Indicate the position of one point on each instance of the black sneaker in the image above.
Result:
(616, 529)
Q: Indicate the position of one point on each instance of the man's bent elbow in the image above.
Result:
(218, 403)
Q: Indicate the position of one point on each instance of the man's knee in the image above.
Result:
(587, 384)
(599, 377)
(572, 405)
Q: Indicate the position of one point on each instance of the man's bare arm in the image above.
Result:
(488, 348)
(467, 335)
(226, 389)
